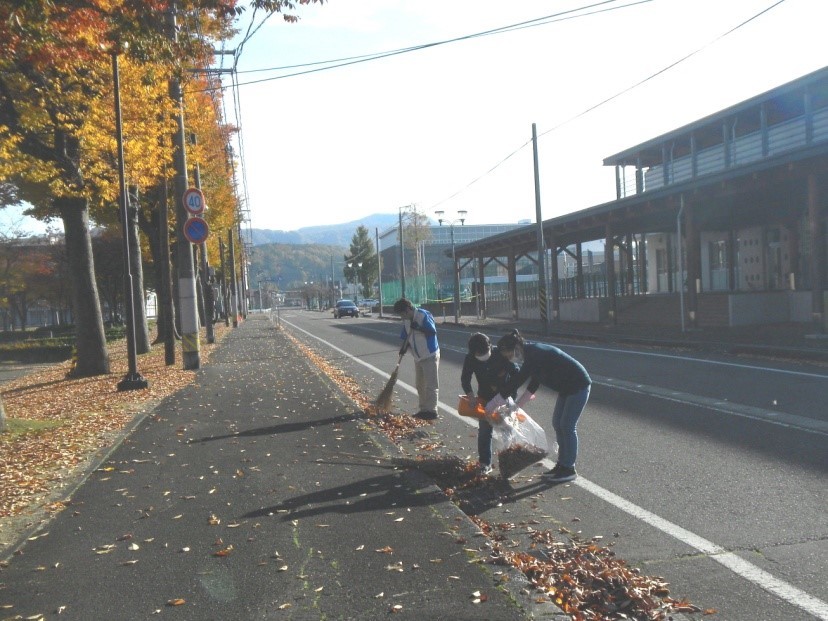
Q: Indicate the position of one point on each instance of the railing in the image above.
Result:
(746, 149)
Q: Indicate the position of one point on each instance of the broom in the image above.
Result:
(383, 401)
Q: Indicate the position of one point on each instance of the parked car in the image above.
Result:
(345, 308)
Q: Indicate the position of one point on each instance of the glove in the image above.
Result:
(495, 403)
(525, 398)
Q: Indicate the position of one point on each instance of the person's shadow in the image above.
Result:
(380, 493)
(273, 430)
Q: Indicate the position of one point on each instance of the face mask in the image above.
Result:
(484, 357)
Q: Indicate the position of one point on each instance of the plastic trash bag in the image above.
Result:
(516, 438)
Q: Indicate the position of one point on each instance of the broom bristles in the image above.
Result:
(383, 401)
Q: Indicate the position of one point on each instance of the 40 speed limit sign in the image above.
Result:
(194, 202)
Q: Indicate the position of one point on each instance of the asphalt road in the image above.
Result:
(708, 471)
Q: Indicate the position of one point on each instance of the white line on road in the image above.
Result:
(736, 564)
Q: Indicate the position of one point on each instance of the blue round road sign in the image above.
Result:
(196, 230)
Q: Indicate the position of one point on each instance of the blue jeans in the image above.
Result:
(568, 410)
(484, 442)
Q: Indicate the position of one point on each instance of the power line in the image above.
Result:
(539, 21)
(662, 70)
(616, 95)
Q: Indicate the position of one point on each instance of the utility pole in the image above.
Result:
(188, 313)
(225, 294)
(542, 297)
(234, 303)
(402, 257)
(379, 270)
(166, 276)
(206, 286)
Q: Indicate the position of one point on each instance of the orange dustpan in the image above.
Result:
(472, 408)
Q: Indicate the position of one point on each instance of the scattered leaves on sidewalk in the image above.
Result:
(85, 414)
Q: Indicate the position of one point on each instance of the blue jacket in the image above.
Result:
(421, 333)
(546, 364)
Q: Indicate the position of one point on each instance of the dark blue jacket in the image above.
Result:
(548, 365)
(491, 375)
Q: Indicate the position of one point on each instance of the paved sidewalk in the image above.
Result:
(256, 493)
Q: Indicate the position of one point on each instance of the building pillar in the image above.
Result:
(481, 288)
(691, 249)
(512, 269)
(555, 284)
(630, 266)
(817, 254)
(579, 278)
(609, 265)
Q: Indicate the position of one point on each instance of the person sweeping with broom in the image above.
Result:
(419, 334)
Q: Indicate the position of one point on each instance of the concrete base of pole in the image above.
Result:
(132, 381)
(192, 360)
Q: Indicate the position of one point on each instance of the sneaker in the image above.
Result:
(425, 415)
(560, 474)
(484, 469)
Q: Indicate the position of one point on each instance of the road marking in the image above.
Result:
(801, 423)
(736, 564)
(749, 367)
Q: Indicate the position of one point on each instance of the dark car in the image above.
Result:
(345, 308)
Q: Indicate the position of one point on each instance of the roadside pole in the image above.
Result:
(188, 313)
(543, 299)
(206, 287)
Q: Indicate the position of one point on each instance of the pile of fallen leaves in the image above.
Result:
(584, 579)
(395, 426)
(80, 416)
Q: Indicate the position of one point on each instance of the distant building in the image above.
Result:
(428, 264)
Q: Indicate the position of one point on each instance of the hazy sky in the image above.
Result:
(421, 127)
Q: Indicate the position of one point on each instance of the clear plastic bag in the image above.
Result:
(516, 438)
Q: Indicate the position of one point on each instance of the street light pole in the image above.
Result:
(379, 270)
(132, 380)
(462, 218)
(402, 256)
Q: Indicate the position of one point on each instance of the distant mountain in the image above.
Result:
(289, 266)
(328, 234)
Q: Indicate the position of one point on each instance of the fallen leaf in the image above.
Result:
(176, 602)
(224, 552)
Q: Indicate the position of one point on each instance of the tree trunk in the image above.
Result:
(136, 268)
(90, 342)
(2, 416)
